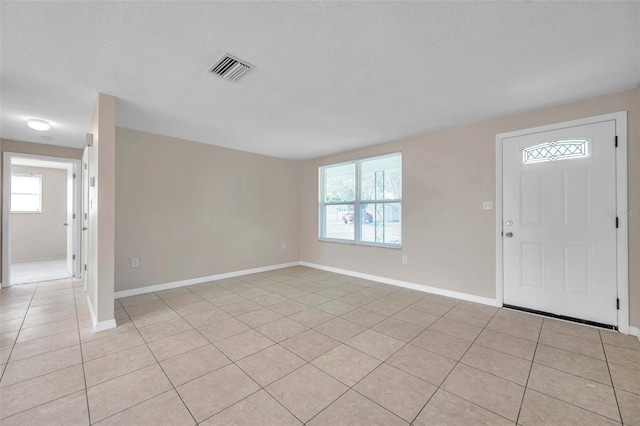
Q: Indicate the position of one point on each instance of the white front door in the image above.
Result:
(85, 216)
(559, 224)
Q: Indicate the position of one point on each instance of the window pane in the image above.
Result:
(25, 184)
(25, 203)
(381, 178)
(340, 183)
(338, 222)
(381, 223)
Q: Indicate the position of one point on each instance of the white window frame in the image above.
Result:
(357, 218)
(31, 175)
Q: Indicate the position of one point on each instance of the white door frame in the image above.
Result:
(622, 236)
(6, 211)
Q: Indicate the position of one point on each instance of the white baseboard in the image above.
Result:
(192, 281)
(99, 325)
(634, 331)
(405, 284)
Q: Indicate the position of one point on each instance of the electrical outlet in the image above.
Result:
(135, 262)
(404, 260)
(487, 205)
(284, 246)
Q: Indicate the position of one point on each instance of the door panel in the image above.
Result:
(561, 256)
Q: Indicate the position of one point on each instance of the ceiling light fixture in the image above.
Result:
(40, 125)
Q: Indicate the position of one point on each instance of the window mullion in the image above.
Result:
(356, 207)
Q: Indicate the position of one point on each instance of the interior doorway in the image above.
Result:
(40, 219)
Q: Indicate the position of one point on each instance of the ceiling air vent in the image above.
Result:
(229, 67)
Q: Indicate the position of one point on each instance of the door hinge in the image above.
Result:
(85, 216)
(618, 304)
(74, 175)
(617, 222)
(85, 266)
(74, 257)
(616, 141)
(74, 215)
(85, 166)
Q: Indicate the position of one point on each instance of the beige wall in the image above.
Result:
(448, 238)
(190, 210)
(42, 235)
(101, 247)
(7, 145)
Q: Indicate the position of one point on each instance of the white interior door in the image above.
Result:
(559, 224)
(85, 214)
(69, 223)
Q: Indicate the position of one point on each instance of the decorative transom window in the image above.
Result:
(361, 201)
(555, 150)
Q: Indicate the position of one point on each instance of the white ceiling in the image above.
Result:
(329, 76)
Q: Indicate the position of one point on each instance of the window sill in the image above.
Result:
(361, 243)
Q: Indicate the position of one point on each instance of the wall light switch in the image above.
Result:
(284, 246)
(487, 205)
(405, 260)
(135, 262)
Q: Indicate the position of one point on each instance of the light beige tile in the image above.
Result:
(258, 409)
(353, 409)
(164, 329)
(253, 292)
(398, 329)
(575, 390)
(497, 363)
(520, 317)
(629, 407)
(446, 409)
(194, 308)
(571, 362)
(210, 316)
(356, 299)
(87, 334)
(270, 364)
(313, 299)
(626, 357)
(442, 344)
(177, 344)
(456, 329)
(269, 299)
(165, 409)
(346, 364)
(309, 344)
(396, 391)
(14, 325)
(515, 346)
(116, 395)
(376, 344)
(143, 320)
(243, 344)
(306, 391)
(288, 307)
(68, 410)
(138, 299)
(241, 307)
(619, 339)
(44, 330)
(223, 329)
(33, 320)
(540, 409)
(416, 317)
(468, 317)
(260, 317)
(571, 329)
(335, 307)
(340, 329)
(486, 390)
(21, 396)
(281, 329)
(39, 365)
(182, 300)
(515, 329)
(311, 317)
(117, 364)
(215, 391)
(423, 364)
(364, 317)
(383, 307)
(44, 345)
(173, 292)
(625, 378)
(8, 338)
(118, 342)
(572, 344)
(193, 364)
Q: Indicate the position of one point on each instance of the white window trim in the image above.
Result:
(22, 193)
(356, 205)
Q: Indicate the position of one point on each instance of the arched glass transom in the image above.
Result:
(555, 150)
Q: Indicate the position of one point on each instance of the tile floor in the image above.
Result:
(302, 346)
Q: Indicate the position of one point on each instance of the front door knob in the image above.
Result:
(509, 234)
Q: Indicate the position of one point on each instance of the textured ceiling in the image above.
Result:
(329, 76)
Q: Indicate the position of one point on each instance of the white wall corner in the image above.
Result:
(99, 325)
(634, 331)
